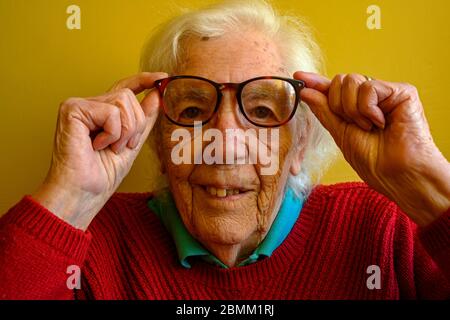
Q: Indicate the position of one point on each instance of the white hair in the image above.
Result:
(293, 37)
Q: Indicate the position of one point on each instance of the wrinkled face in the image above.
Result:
(230, 204)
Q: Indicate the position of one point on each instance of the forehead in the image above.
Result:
(232, 57)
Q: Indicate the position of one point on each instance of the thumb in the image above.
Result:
(315, 94)
(314, 81)
(150, 104)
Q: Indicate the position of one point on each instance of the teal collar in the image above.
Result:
(163, 205)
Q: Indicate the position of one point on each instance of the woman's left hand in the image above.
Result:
(382, 132)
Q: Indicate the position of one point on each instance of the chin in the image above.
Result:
(225, 233)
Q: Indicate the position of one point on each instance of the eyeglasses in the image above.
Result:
(264, 101)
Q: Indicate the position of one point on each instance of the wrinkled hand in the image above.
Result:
(96, 142)
(382, 132)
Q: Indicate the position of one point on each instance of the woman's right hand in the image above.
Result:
(96, 142)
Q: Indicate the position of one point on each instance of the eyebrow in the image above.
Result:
(192, 93)
(259, 93)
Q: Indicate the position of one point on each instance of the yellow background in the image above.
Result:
(42, 63)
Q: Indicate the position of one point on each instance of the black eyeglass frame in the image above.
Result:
(298, 85)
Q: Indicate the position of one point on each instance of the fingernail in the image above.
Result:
(379, 124)
(119, 149)
(134, 142)
(379, 120)
(365, 124)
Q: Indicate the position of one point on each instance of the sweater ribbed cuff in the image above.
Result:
(436, 236)
(35, 220)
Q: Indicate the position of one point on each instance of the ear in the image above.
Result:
(299, 153)
(296, 164)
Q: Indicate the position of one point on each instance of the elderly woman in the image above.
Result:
(240, 83)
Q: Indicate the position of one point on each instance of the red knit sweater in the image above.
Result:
(127, 254)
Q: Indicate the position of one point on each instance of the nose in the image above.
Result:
(227, 116)
(228, 121)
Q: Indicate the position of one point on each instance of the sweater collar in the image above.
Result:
(163, 205)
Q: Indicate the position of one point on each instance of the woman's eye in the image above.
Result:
(191, 112)
(262, 112)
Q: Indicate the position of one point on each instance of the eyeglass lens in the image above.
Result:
(265, 102)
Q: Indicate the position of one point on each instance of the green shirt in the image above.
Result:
(163, 205)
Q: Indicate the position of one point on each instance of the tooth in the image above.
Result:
(221, 192)
(235, 191)
(230, 192)
(211, 190)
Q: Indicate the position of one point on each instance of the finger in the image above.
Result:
(150, 105)
(374, 100)
(335, 97)
(110, 133)
(110, 96)
(123, 100)
(99, 115)
(139, 139)
(349, 97)
(140, 122)
(318, 103)
(140, 127)
(139, 82)
(313, 81)
(134, 141)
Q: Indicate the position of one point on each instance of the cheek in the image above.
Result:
(169, 143)
(272, 185)
(177, 174)
(280, 152)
